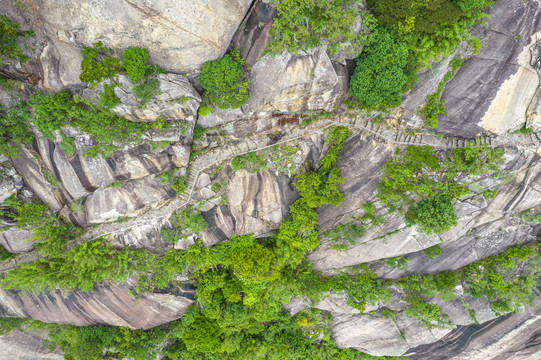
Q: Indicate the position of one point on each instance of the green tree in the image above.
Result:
(98, 64)
(9, 33)
(224, 81)
(380, 71)
(14, 129)
(135, 60)
(435, 215)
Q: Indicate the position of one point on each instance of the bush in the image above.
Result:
(54, 110)
(428, 314)
(146, 90)
(430, 28)
(68, 145)
(304, 24)
(108, 99)
(14, 129)
(250, 162)
(8, 40)
(97, 64)
(79, 268)
(435, 215)
(198, 132)
(433, 251)
(224, 81)
(134, 61)
(184, 222)
(5, 255)
(398, 262)
(380, 71)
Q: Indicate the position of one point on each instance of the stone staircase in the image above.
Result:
(214, 156)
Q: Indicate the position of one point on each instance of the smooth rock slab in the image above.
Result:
(104, 306)
(180, 35)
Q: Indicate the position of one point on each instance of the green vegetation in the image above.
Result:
(147, 90)
(433, 251)
(52, 232)
(354, 228)
(250, 162)
(224, 82)
(379, 76)
(54, 110)
(14, 129)
(427, 186)
(429, 28)
(135, 62)
(68, 145)
(398, 262)
(9, 33)
(283, 158)
(198, 132)
(304, 24)
(524, 130)
(78, 268)
(177, 183)
(243, 282)
(433, 215)
(5, 255)
(435, 105)
(489, 194)
(27, 215)
(98, 64)
(146, 85)
(185, 222)
(108, 99)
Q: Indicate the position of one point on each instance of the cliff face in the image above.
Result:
(496, 91)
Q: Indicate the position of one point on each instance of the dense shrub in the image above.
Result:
(98, 64)
(14, 129)
(9, 33)
(54, 110)
(434, 215)
(146, 90)
(135, 62)
(250, 162)
(427, 186)
(184, 222)
(224, 81)
(380, 71)
(430, 28)
(303, 24)
(433, 251)
(79, 268)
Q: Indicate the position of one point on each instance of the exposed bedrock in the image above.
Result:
(180, 35)
(256, 204)
(288, 83)
(107, 305)
(494, 90)
(177, 99)
(285, 82)
(124, 184)
(361, 163)
(514, 337)
(27, 345)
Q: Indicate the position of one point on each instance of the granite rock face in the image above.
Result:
(495, 90)
(180, 35)
(288, 83)
(177, 99)
(107, 304)
(514, 337)
(494, 85)
(27, 345)
(85, 187)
